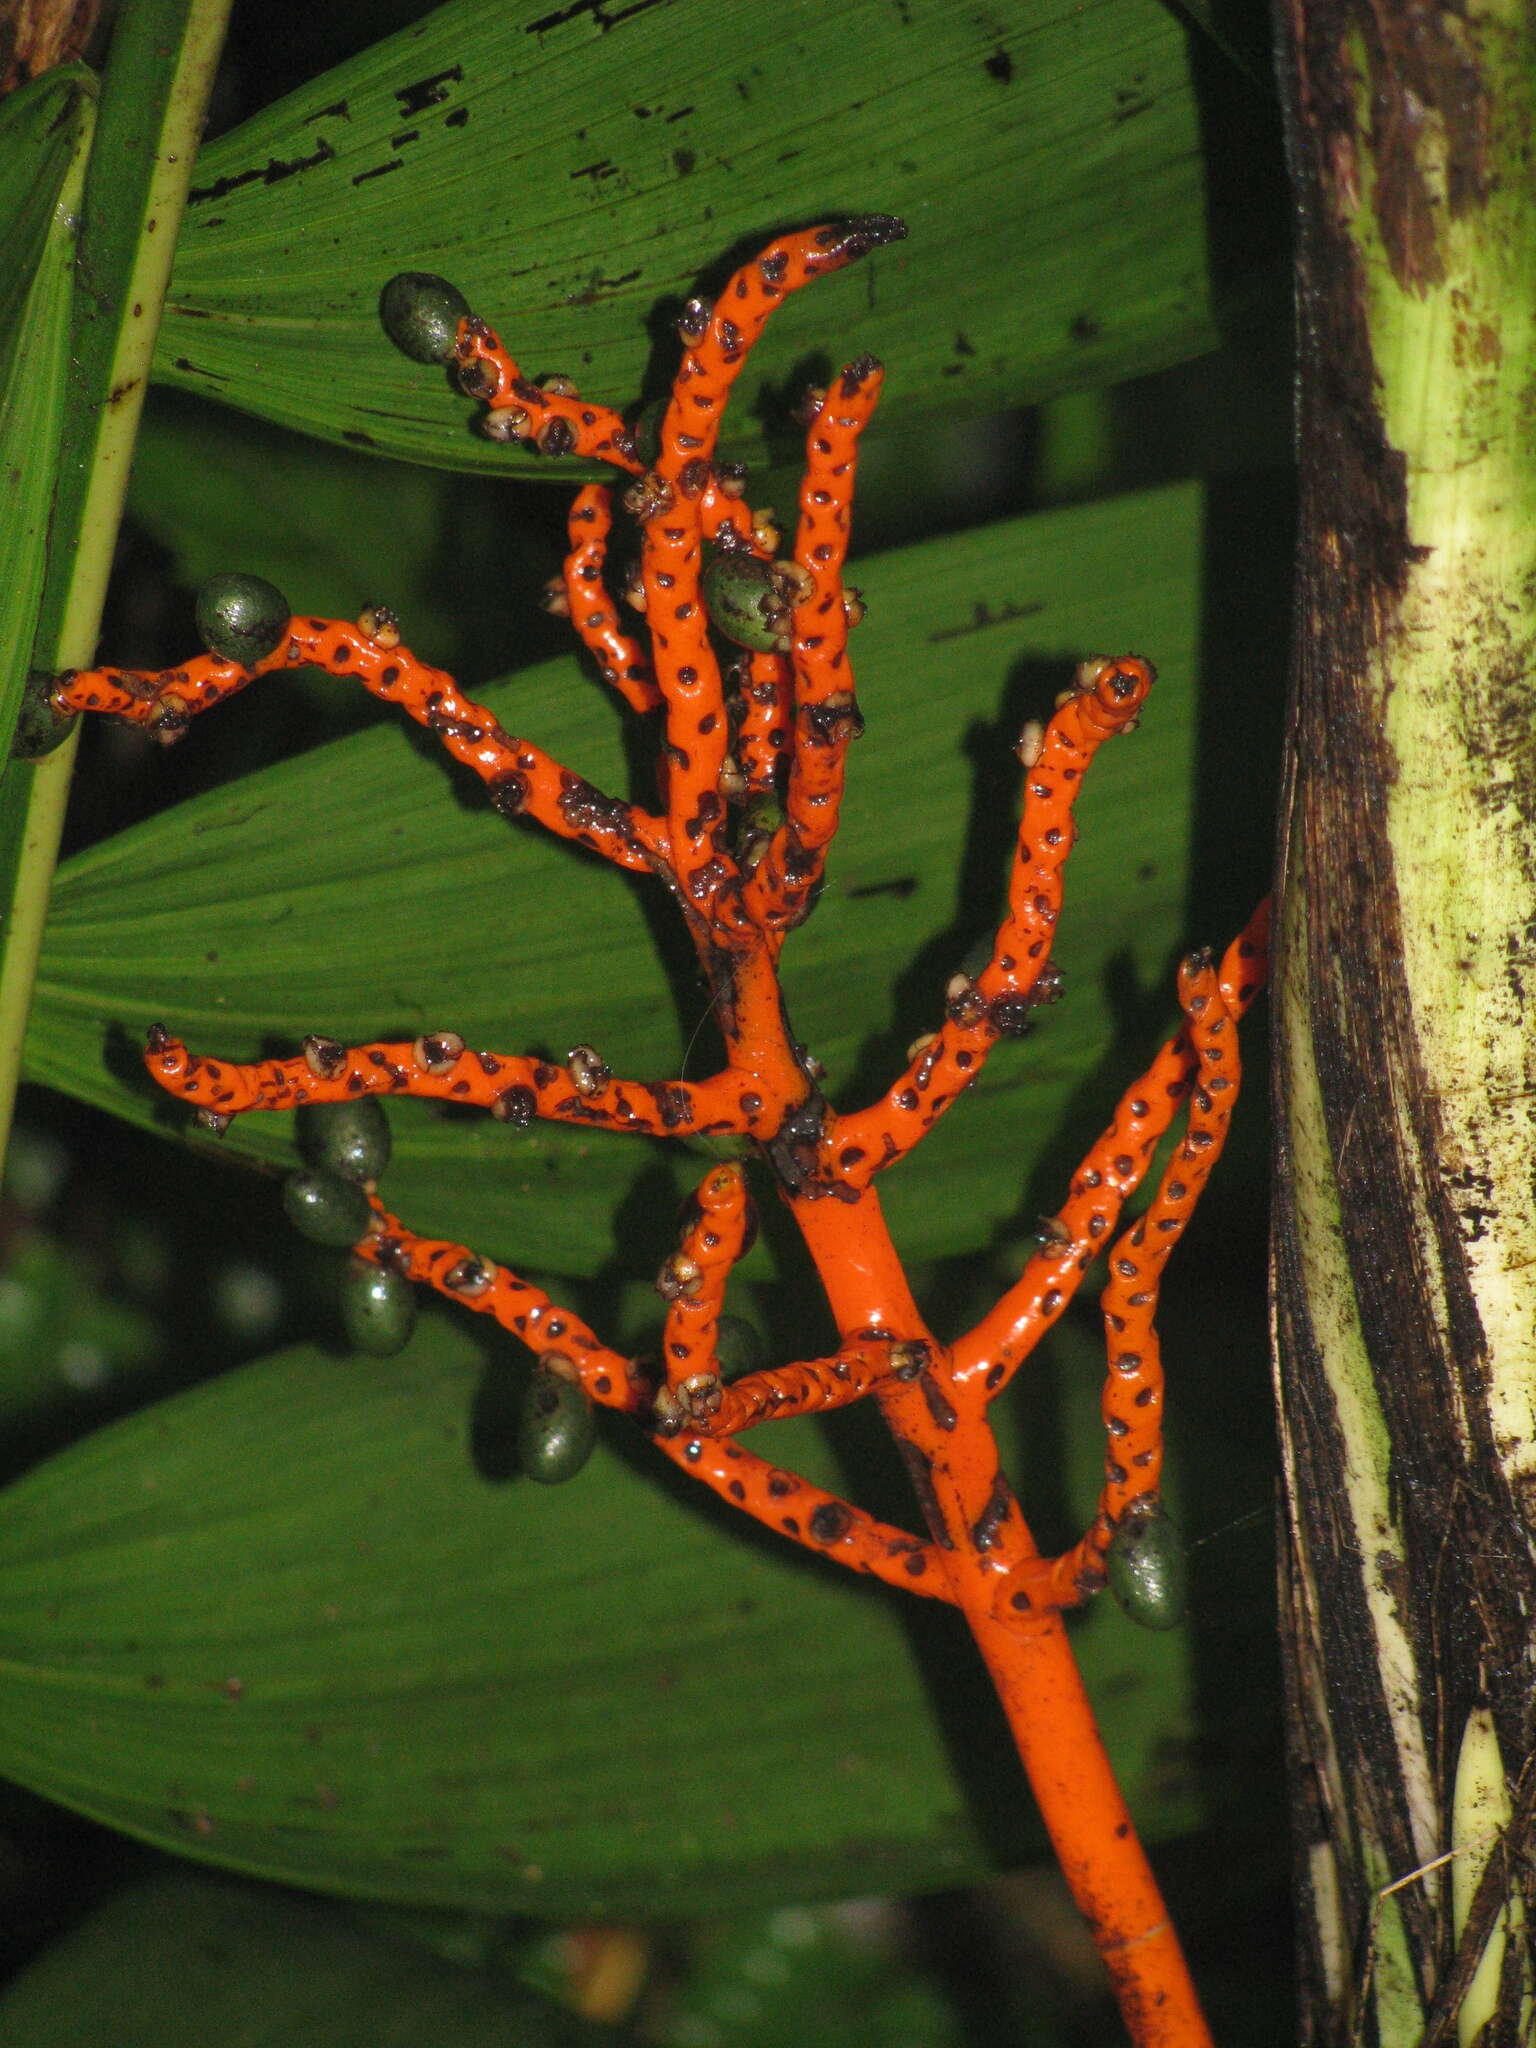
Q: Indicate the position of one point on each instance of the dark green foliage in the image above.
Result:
(739, 1348)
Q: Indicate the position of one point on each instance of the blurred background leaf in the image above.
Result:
(301, 1622)
(182, 1960)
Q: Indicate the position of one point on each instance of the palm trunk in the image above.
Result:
(1405, 1235)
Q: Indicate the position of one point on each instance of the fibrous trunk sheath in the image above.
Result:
(1405, 1246)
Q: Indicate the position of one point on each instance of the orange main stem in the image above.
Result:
(980, 1536)
(1090, 1827)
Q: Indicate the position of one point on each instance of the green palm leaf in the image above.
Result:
(285, 1623)
(573, 168)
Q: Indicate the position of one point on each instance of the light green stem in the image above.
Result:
(174, 44)
(1406, 1236)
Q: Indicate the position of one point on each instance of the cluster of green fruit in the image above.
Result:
(348, 1146)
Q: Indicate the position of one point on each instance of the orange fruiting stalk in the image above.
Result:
(778, 720)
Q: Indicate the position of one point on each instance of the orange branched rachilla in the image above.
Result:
(752, 754)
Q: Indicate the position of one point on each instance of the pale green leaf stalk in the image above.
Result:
(1481, 1815)
(53, 126)
(1406, 1235)
(45, 141)
(1366, 1504)
(155, 95)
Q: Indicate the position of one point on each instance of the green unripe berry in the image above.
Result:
(40, 728)
(349, 1138)
(421, 314)
(325, 1208)
(749, 600)
(556, 1430)
(378, 1309)
(646, 428)
(1148, 1572)
(765, 813)
(241, 618)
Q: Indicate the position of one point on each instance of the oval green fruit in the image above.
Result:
(557, 1428)
(40, 728)
(421, 314)
(747, 600)
(646, 428)
(378, 1309)
(325, 1208)
(349, 1138)
(1148, 1572)
(241, 618)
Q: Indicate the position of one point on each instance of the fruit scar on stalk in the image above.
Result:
(751, 759)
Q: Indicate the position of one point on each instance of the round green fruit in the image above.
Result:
(556, 1430)
(349, 1138)
(325, 1208)
(421, 315)
(1148, 1571)
(646, 428)
(378, 1309)
(241, 618)
(748, 600)
(40, 727)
